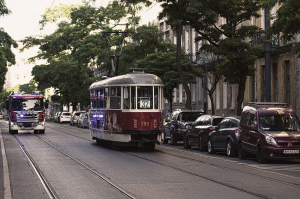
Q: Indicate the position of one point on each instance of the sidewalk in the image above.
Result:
(5, 191)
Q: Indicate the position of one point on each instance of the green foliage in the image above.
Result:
(29, 87)
(287, 20)
(163, 64)
(3, 9)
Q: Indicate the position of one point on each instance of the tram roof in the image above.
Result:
(128, 79)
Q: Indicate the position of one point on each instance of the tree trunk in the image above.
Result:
(188, 104)
(241, 91)
(212, 103)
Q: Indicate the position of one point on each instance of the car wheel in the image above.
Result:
(260, 156)
(242, 153)
(210, 148)
(229, 149)
(200, 144)
(173, 140)
(186, 142)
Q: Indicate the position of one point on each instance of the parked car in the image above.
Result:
(180, 123)
(225, 137)
(269, 131)
(198, 133)
(64, 117)
(83, 121)
(56, 117)
(74, 117)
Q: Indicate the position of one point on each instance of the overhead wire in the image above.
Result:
(44, 15)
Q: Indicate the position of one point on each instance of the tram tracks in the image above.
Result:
(203, 176)
(49, 189)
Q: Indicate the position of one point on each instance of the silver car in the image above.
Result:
(83, 121)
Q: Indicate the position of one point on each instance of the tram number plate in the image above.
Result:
(145, 103)
(290, 151)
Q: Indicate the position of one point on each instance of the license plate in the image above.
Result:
(290, 151)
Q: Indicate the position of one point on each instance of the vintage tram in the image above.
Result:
(127, 109)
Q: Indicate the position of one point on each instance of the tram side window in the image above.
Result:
(95, 98)
(115, 98)
(156, 97)
(92, 99)
(126, 98)
(145, 97)
(101, 98)
(106, 98)
(133, 103)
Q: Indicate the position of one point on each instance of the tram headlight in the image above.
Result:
(135, 123)
(155, 124)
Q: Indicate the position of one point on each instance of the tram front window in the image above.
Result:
(145, 97)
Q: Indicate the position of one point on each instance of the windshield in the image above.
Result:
(27, 104)
(279, 123)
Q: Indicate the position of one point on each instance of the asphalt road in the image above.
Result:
(74, 166)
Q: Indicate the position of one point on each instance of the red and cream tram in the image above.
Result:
(128, 109)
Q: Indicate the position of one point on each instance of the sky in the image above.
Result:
(26, 14)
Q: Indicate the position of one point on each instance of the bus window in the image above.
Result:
(126, 98)
(115, 98)
(145, 97)
(133, 103)
(156, 97)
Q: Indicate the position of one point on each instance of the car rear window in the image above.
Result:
(66, 114)
(216, 121)
(189, 116)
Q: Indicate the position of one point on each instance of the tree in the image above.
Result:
(172, 10)
(210, 64)
(286, 20)
(6, 55)
(163, 64)
(29, 87)
(72, 48)
(3, 9)
(228, 40)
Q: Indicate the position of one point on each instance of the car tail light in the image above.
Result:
(177, 131)
(12, 116)
(135, 124)
(42, 115)
(210, 129)
(236, 131)
(155, 124)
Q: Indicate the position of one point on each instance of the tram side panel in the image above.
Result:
(135, 127)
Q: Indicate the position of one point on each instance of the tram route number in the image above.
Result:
(145, 103)
(145, 124)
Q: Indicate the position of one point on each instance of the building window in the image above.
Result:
(174, 95)
(275, 80)
(193, 93)
(218, 96)
(232, 106)
(180, 93)
(263, 84)
(208, 98)
(199, 89)
(224, 95)
(288, 91)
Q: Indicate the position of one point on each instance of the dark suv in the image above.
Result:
(198, 133)
(179, 123)
(269, 131)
